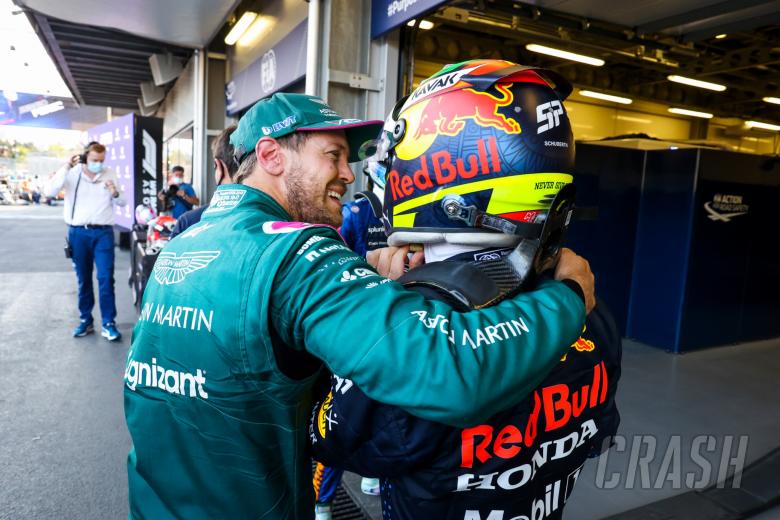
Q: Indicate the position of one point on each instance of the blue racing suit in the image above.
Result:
(363, 232)
(521, 463)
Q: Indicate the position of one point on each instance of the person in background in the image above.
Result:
(224, 169)
(184, 198)
(91, 194)
(36, 190)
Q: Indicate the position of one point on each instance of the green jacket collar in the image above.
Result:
(230, 198)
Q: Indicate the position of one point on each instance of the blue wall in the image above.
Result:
(609, 179)
(661, 254)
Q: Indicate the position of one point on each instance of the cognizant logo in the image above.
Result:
(172, 381)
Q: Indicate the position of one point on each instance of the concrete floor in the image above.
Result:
(63, 440)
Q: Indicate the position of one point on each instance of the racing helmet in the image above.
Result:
(476, 155)
(144, 214)
(159, 231)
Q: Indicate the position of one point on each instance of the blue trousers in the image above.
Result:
(94, 246)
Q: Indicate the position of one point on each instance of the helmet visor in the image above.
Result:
(375, 155)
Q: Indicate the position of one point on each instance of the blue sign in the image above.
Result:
(386, 15)
(117, 137)
(277, 69)
(21, 109)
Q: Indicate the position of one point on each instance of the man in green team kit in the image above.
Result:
(242, 311)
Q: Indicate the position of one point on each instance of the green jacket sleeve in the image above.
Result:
(401, 349)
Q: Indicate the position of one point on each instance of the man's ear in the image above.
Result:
(269, 155)
(221, 174)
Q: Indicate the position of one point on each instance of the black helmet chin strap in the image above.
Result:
(476, 218)
(534, 254)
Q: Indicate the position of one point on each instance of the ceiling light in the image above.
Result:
(541, 49)
(424, 24)
(762, 126)
(240, 27)
(774, 100)
(606, 97)
(692, 113)
(252, 34)
(696, 83)
(632, 119)
(720, 36)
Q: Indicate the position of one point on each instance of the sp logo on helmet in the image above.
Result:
(550, 113)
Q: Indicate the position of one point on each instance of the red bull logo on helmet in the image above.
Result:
(441, 168)
(448, 114)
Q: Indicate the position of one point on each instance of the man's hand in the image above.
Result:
(390, 261)
(111, 187)
(571, 266)
(181, 194)
(73, 161)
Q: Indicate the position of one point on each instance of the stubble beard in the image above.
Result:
(305, 202)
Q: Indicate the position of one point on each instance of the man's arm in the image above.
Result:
(54, 184)
(401, 349)
(187, 192)
(112, 185)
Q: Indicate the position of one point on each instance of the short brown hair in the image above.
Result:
(95, 147)
(222, 149)
(294, 141)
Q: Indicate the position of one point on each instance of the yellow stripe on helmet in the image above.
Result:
(528, 192)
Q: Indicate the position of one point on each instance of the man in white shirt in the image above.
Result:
(90, 196)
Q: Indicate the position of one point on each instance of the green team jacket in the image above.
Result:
(219, 375)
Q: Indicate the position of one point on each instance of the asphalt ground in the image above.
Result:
(63, 440)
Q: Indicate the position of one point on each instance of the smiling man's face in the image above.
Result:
(317, 178)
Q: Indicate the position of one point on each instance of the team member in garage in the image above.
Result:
(239, 317)
(224, 169)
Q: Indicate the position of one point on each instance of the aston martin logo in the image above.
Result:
(170, 269)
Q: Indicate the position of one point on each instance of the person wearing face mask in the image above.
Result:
(185, 197)
(91, 192)
(224, 169)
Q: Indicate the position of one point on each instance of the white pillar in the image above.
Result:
(199, 140)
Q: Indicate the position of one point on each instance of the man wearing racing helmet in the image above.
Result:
(241, 313)
(489, 231)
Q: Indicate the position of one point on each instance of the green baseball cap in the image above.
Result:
(283, 114)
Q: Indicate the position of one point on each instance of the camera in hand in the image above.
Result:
(169, 196)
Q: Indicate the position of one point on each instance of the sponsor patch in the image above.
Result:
(356, 274)
(280, 227)
(443, 168)
(170, 269)
(172, 381)
(196, 230)
(437, 84)
(225, 200)
(279, 125)
(326, 418)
